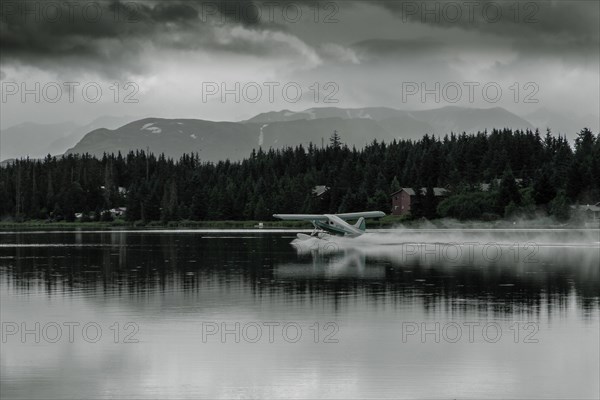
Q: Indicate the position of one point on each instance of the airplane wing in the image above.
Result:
(301, 217)
(365, 214)
(321, 217)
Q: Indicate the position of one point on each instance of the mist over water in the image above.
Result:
(455, 247)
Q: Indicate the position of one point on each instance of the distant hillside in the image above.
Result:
(173, 137)
(560, 123)
(34, 140)
(410, 124)
(375, 113)
(38, 140)
(354, 132)
(235, 140)
(460, 119)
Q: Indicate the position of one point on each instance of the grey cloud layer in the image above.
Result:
(110, 34)
(111, 43)
(576, 19)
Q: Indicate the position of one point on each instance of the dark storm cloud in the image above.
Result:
(168, 12)
(528, 21)
(32, 33)
(374, 48)
(112, 42)
(110, 34)
(246, 11)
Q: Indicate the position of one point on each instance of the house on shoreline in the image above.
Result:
(588, 212)
(405, 198)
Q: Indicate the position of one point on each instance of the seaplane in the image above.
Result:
(333, 224)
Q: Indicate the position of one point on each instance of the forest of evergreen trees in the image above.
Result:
(552, 175)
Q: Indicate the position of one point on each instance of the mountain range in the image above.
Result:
(35, 140)
(215, 141)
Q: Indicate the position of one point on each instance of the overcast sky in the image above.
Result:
(174, 57)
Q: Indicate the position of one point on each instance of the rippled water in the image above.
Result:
(205, 314)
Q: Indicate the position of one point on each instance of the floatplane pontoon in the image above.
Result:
(333, 224)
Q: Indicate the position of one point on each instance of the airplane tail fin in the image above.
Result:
(361, 224)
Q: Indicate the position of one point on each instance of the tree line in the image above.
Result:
(526, 171)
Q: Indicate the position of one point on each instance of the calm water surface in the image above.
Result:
(195, 314)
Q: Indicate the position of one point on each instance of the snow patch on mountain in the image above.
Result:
(358, 114)
(151, 128)
(261, 137)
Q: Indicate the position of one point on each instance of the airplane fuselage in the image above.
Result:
(337, 226)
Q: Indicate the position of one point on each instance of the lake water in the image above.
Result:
(214, 314)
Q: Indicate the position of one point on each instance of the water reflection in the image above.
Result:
(119, 264)
(169, 282)
(351, 264)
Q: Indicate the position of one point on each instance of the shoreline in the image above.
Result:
(384, 223)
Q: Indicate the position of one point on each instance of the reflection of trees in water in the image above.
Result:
(135, 264)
